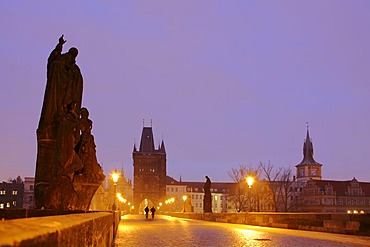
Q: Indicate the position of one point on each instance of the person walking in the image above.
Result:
(152, 210)
(146, 212)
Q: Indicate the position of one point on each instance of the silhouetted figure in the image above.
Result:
(152, 210)
(146, 212)
(207, 200)
(207, 186)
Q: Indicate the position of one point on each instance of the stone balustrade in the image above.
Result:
(83, 229)
(354, 224)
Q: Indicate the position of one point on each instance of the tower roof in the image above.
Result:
(147, 140)
(162, 149)
(308, 152)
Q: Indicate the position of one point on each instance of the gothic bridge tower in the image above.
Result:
(308, 168)
(149, 171)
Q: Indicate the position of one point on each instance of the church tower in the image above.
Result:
(150, 171)
(308, 168)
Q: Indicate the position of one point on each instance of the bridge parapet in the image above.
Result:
(87, 229)
(354, 224)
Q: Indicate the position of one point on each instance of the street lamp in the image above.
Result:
(250, 181)
(115, 176)
(184, 197)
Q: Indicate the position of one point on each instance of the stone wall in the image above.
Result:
(88, 229)
(354, 224)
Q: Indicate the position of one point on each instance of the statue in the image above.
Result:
(64, 84)
(207, 200)
(67, 171)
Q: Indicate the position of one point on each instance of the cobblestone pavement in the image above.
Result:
(135, 230)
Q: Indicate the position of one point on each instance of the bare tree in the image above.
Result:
(239, 197)
(289, 195)
(281, 185)
(272, 178)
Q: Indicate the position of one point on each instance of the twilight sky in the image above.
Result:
(225, 82)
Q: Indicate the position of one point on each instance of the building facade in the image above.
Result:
(29, 193)
(11, 194)
(328, 196)
(194, 195)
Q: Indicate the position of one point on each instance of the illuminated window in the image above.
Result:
(1, 205)
(15, 192)
(14, 203)
(2, 192)
(8, 204)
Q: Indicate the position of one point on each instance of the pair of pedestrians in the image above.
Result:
(152, 210)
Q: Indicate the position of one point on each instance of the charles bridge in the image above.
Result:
(68, 175)
(110, 228)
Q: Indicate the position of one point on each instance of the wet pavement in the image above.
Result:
(135, 230)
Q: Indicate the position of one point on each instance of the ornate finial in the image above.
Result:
(162, 136)
(143, 122)
(151, 122)
(307, 125)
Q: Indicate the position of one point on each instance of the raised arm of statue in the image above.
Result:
(55, 54)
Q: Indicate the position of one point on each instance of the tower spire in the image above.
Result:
(308, 150)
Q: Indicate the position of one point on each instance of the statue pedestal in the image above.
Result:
(207, 203)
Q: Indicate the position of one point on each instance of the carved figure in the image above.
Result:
(64, 84)
(207, 186)
(207, 200)
(67, 170)
(86, 149)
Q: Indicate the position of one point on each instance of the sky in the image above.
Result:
(223, 83)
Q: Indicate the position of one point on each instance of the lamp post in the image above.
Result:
(250, 181)
(184, 197)
(115, 176)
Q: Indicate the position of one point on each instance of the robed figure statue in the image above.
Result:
(207, 200)
(66, 176)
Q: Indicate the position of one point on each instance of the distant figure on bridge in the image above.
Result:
(146, 212)
(152, 210)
